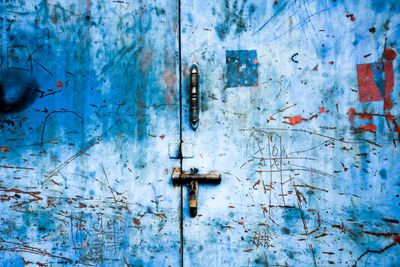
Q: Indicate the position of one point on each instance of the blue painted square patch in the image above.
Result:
(241, 68)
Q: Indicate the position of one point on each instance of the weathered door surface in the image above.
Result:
(299, 113)
(299, 107)
(88, 107)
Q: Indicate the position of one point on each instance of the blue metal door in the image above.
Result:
(299, 109)
(89, 107)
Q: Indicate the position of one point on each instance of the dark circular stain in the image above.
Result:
(285, 231)
(18, 90)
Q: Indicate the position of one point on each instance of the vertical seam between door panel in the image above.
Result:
(180, 129)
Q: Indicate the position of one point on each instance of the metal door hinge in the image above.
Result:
(194, 97)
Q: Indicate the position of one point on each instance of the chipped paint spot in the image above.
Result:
(295, 120)
(59, 84)
(351, 17)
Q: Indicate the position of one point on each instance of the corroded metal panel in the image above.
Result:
(308, 147)
(88, 107)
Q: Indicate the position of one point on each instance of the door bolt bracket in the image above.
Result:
(193, 179)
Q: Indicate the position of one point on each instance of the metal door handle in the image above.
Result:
(194, 97)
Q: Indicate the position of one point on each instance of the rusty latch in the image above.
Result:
(193, 178)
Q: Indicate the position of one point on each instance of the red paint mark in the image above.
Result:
(275, 2)
(368, 89)
(345, 168)
(389, 117)
(322, 110)
(17, 194)
(255, 61)
(342, 228)
(368, 127)
(330, 62)
(50, 203)
(241, 222)
(351, 113)
(389, 54)
(365, 116)
(396, 239)
(136, 222)
(59, 84)
(162, 136)
(256, 184)
(186, 69)
(351, 17)
(389, 84)
(4, 149)
(370, 116)
(169, 79)
(295, 120)
(380, 234)
(387, 103)
(53, 14)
